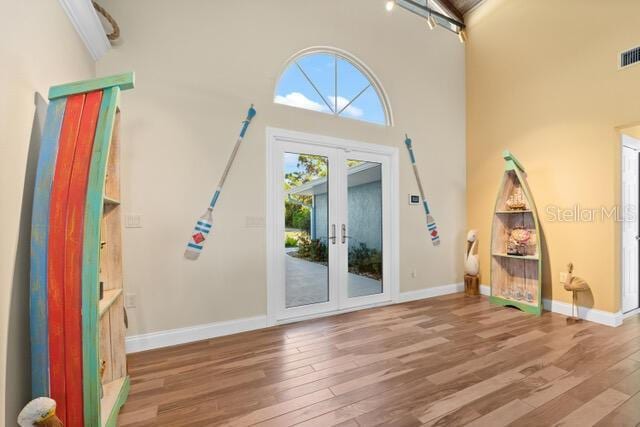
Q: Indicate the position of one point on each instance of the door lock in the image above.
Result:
(344, 233)
(333, 234)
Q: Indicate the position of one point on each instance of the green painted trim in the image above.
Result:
(112, 421)
(123, 81)
(527, 308)
(534, 213)
(512, 162)
(91, 256)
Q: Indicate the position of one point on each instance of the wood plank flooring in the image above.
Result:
(445, 361)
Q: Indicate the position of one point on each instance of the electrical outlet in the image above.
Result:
(133, 221)
(563, 277)
(130, 300)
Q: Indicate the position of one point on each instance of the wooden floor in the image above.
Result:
(451, 360)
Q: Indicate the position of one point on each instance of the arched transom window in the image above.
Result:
(333, 82)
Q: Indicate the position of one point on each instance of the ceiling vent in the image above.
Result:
(629, 57)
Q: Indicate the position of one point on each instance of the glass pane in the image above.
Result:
(364, 231)
(368, 107)
(320, 68)
(294, 90)
(306, 217)
(350, 83)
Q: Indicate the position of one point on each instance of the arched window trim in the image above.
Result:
(357, 63)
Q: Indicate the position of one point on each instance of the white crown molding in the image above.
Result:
(86, 22)
(591, 314)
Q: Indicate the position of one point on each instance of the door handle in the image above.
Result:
(333, 234)
(637, 237)
(344, 233)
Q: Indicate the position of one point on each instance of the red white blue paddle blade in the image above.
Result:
(199, 237)
(433, 230)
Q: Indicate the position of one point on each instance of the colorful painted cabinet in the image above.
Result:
(516, 257)
(76, 245)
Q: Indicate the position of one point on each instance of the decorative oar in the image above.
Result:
(431, 223)
(205, 222)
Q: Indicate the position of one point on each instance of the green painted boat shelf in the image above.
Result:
(515, 279)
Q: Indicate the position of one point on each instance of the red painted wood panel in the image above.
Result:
(56, 251)
(73, 259)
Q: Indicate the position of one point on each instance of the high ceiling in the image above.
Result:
(457, 8)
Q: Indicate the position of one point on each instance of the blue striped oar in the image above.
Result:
(431, 223)
(205, 222)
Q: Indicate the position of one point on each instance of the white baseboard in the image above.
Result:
(142, 342)
(591, 314)
(152, 340)
(171, 337)
(431, 292)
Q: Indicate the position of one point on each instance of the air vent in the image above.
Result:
(630, 57)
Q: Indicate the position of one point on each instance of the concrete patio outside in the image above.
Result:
(306, 282)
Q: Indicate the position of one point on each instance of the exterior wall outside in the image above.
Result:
(40, 49)
(193, 88)
(320, 213)
(543, 81)
(365, 215)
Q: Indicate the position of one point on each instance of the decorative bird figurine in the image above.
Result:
(471, 263)
(574, 284)
(39, 412)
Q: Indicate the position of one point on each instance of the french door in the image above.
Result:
(330, 226)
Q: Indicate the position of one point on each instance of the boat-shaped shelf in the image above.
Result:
(516, 261)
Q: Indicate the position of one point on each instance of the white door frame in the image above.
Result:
(275, 137)
(627, 307)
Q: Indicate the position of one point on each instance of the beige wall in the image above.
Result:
(198, 65)
(39, 48)
(542, 81)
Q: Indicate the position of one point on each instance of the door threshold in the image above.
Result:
(330, 313)
(633, 312)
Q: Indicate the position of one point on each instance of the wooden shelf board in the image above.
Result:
(515, 212)
(115, 394)
(520, 301)
(525, 306)
(110, 296)
(525, 257)
(110, 201)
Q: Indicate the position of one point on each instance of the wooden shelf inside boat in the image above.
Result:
(110, 296)
(515, 212)
(524, 257)
(111, 201)
(115, 393)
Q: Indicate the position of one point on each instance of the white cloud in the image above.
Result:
(296, 99)
(350, 110)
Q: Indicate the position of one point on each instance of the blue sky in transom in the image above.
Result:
(321, 68)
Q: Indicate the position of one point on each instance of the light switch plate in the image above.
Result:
(254, 222)
(130, 300)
